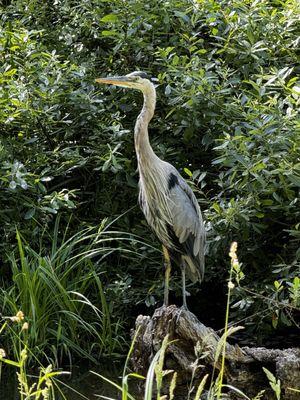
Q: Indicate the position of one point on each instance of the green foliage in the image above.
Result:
(44, 386)
(275, 384)
(228, 95)
(56, 290)
(154, 378)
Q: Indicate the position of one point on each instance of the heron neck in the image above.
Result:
(143, 148)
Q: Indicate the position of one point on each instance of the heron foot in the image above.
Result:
(180, 311)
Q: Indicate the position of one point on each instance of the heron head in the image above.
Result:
(135, 80)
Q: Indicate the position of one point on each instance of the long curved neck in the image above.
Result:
(143, 148)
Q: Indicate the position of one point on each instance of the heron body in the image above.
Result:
(168, 203)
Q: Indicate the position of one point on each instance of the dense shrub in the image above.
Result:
(228, 95)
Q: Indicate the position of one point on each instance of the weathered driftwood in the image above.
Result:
(243, 364)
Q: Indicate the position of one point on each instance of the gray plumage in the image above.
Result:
(173, 213)
(167, 201)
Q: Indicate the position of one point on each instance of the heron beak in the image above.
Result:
(116, 80)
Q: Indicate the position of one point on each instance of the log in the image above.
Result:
(243, 364)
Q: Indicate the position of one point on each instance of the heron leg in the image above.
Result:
(167, 275)
(184, 305)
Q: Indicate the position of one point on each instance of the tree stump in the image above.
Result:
(244, 365)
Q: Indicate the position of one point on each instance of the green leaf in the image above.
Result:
(295, 179)
(277, 285)
(10, 72)
(260, 215)
(296, 89)
(112, 18)
(188, 172)
(10, 362)
(216, 207)
(109, 33)
(168, 90)
(30, 213)
(270, 376)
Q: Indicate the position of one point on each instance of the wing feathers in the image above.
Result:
(188, 227)
(172, 211)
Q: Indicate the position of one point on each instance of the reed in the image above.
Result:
(44, 386)
(53, 289)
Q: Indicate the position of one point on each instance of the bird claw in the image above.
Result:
(180, 310)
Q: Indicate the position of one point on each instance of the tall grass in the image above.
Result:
(54, 289)
(153, 380)
(41, 387)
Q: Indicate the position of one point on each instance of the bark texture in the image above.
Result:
(196, 345)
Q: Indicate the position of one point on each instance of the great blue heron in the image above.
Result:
(169, 204)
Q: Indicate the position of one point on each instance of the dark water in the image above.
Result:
(85, 384)
(81, 384)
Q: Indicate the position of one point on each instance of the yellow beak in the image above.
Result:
(115, 80)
